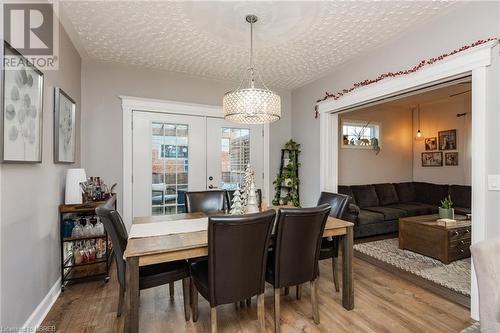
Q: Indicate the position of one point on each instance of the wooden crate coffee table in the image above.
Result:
(422, 234)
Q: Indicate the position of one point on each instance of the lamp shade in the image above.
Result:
(73, 192)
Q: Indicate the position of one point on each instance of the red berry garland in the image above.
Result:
(415, 68)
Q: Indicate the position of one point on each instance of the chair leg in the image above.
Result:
(171, 290)
(249, 301)
(314, 300)
(298, 291)
(186, 296)
(335, 271)
(277, 310)
(194, 301)
(242, 304)
(213, 319)
(261, 313)
(121, 296)
(287, 291)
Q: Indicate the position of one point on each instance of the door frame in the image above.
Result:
(473, 62)
(131, 103)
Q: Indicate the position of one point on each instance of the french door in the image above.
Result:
(174, 153)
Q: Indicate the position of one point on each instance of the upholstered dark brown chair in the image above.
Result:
(330, 247)
(206, 201)
(230, 194)
(149, 276)
(236, 265)
(294, 258)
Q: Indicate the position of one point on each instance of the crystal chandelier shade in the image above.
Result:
(251, 105)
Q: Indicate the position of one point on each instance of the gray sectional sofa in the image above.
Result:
(376, 208)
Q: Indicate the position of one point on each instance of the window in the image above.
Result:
(235, 146)
(359, 134)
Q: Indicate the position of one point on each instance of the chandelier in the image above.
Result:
(251, 105)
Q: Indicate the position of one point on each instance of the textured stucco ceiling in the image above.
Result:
(295, 42)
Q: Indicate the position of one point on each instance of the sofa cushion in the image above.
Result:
(389, 213)
(462, 210)
(386, 194)
(415, 208)
(367, 217)
(461, 195)
(405, 191)
(430, 193)
(365, 195)
(346, 190)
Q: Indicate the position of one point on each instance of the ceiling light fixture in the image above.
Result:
(251, 105)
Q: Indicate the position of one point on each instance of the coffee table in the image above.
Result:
(423, 234)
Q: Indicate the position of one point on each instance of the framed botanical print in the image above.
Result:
(432, 159)
(64, 127)
(22, 109)
(448, 139)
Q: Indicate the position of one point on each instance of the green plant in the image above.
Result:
(446, 203)
(290, 171)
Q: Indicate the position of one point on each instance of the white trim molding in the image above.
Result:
(130, 104)
(38, 315)
(476, 62)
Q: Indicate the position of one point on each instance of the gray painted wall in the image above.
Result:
(463, 25)
(30, 196)
(102, 83)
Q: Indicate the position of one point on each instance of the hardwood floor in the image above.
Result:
(383, 303)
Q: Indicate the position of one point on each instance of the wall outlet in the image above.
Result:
(494, 182)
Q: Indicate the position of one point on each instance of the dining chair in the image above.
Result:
(330, 247)
(149, 276)
(236, 264)
(206, 201)
(295, 254)
(230, 194)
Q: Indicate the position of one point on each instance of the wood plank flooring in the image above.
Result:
(383, 303)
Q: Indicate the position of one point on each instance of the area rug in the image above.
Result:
(455, 276)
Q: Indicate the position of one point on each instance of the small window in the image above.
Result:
(359, 134)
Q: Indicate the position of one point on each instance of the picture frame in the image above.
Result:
(64, 127)
(431, 143)
(448, 139)
(22, 109)
(432, 159)
(451, 159)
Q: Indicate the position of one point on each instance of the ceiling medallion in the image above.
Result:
(251, 105)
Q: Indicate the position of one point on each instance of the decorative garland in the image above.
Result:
(415, 68)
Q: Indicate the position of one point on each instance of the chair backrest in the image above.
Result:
(338, 203)
(206, 201)
(298, 240)
(237, 255)
(113, 224)
(230, 194)
(488, 274)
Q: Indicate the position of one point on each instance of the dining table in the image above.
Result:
(167, 247)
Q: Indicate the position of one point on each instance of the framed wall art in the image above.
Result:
(431, 143)
(22, 109)
(451, 159)
(432, 159)
(448, 139)
(64, 127)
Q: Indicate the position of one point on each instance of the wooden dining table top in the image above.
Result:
(171, 247)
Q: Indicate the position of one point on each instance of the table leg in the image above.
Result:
(132, 318)
(347, 271)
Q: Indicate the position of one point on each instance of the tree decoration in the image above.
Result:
(252, 205)
(287, 181)
(236, 208)
(414, 69)
(248, 179)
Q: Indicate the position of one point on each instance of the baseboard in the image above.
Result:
(38, 315)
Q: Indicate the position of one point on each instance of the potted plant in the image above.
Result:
(446, 211)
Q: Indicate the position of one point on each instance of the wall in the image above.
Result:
(393, 163)
(440, 116)
(30, 196)
(102, 83)
(463, 25)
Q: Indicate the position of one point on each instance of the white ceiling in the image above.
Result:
(295, 42)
